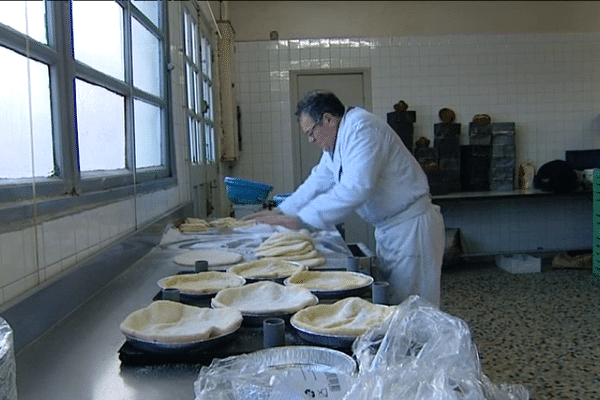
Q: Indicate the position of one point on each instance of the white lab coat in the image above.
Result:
(373, 173)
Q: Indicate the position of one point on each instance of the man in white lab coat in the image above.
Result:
(366, 168)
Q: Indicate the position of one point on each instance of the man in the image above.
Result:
(366, 168)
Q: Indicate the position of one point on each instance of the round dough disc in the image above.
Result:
(170, 322)
(214, 257)
(266, 268)
(329, 280)
(264, 297)
(351, 316)
(201, 282)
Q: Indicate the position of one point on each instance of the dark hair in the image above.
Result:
(319, 102)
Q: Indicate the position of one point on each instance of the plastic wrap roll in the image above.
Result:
(8, 367)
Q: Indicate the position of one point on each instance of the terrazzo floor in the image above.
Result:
(539, 330)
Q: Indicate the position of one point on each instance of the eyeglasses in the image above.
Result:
(310, 133)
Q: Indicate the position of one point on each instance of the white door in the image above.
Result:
(353, 89)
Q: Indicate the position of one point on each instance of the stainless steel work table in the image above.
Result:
(78, 358)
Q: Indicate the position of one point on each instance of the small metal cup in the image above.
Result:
(374, 265)
(353, 264)
(171, 294)
(380, 292)
(273, 332)
(201, 265)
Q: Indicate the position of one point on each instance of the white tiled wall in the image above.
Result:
(549, 84)
(522, 224)
(63, 242)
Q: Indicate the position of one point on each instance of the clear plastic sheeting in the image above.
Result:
(289, 372)
(422, 353)
(8, 367)
(419, 353)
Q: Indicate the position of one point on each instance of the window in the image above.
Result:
(22, 81)
(88, 114)
(100, 148)
(99, 42)
(199, 107)
(207, 91)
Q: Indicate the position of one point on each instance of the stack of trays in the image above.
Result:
(475, 168)
(502, 166)
(488, 163)
(402, 123)
(476, 158)
(447, 142)
(480, 135)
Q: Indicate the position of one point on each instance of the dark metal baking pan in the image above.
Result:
(165, 347)
(334, 341)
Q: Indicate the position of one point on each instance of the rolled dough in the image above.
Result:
(266, 268)
(291, 249)
(351, 316)
(202, 282)
(265, 297)
(166, 321)
(329, 280)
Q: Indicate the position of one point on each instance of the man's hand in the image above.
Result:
(272, 218)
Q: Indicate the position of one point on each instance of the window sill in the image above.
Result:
(20, 215)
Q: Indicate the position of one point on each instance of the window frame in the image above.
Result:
(200, 119)
(71, 187)
(191, 110)
(207, 81)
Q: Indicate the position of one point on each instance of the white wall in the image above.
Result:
(548, 84)
(27, 264)
(254, 20)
